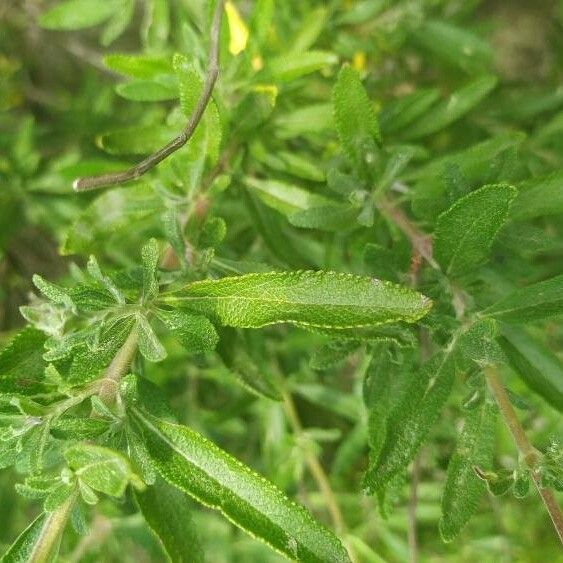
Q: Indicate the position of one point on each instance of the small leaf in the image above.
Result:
(102, 469)
(465, 232)
(291, 66)
(21, 363)
(534, 302)
(325, 218)
(539, 368)
(158, 90)
(78, 14)
(194, 332)
(316, 299)
(478, 342)
(456, 106)
(404, 110)
(539, 197)
(195, 465)
(138, 66)
(149, 344)
(150, 255)
(95, 271)
(354, 116)
(285, 198)
(167, 511)
(411, 420)
(22, 549)
(463, 487)
(135, 140)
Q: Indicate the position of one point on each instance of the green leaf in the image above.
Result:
(411, 419)
(74, 428)
(21, 363)
(456, 46)
(286, 198)
(189, 81)
(463, 487)
(478, 342)
(290, 66)
(194, 332)
(403, 111)
(138, 66)
(345, 405)
(354, 116)
(78, 14)
(539, 368)
(148, 90)
(317, 299)
(167, 511)
(465, 233)
(102, 469)
(149, 256)
(118, 23)
(539, 197)
(455, 107)
(135, 140)
(149, 344)
(325, 217)
(105, 281)
(535, 302)
(22, 549)
(198, 467)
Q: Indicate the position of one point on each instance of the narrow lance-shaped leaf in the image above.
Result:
(535, 302)
(539, 368)
(465, 232)
(355, 119)
(167, 511)
(463, 487)
(412, 418)
(195, 465)
(40, 540)
(78, 14)
(452, 109)
(318, 299)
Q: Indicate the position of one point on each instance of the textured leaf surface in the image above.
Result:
(318, 299)
(168, 513)
(535, 302)
(535, 363)
(463, 487)
(197, 466)
(194, 332)
(101, 469)
(22, 549)
(465, 232)
(138, 66)
(412, 419)
(354, 116)
(291, 66)
(21, 363)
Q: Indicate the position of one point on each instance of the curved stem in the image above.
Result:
(115, 178)
(527, 451)
(118, 367)
(48, 541)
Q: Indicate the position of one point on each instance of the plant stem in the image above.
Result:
(118, 367)
(315, 467)
(115, 178)
(527, 451)
(420, 241)
(317, 472)
(48, 540)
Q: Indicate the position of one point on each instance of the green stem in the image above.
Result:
(118, 367)
(527, 451)
(48, 541)
(317, 472)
